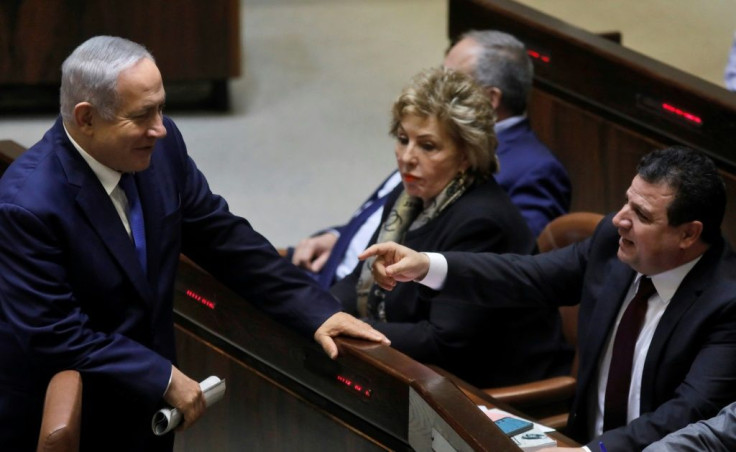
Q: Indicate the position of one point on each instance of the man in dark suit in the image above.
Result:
(681, 356)
(93, 219)
(717, 434)
(534, 179)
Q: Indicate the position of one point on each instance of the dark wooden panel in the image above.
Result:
(260, 414)
(292, 375)
(9, 151)
(191, 40)
(600, 155)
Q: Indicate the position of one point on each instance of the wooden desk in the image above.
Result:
(285, 394)
(9, 151)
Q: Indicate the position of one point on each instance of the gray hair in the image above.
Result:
(90, 74)
(504, 63)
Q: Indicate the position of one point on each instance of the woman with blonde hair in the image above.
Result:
(449, 201)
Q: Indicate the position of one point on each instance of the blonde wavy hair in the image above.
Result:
(461, 106)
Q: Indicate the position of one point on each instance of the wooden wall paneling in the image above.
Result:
(9, 151)
(196, 44)
(601, 156)
(573, 135)
(621, 149)
(302, 371)
(192, 40)
(258, 413)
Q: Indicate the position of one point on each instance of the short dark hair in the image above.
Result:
(700, 191)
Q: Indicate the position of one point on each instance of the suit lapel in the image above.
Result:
(686, 296)
(153, 212)
(618, 279)
(97, 207)
(104, 219)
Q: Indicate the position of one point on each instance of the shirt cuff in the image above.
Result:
(171, 375)
(437, 273)
(586, 448)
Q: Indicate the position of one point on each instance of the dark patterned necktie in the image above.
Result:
(622, 358)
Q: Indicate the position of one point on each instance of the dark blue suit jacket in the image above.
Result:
(690, 368)
(74, 296)
(534, 179)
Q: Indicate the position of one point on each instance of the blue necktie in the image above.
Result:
(327, 276)
(135, 216)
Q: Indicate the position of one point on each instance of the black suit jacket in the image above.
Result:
(690, 368)
(482, 344)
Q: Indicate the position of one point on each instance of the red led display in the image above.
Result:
(356, 387)
(682, 113)
(538, 56)
(199, 298)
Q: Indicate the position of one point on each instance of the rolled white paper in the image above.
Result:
(167, 419)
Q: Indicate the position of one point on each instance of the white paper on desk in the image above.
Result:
(167, 419)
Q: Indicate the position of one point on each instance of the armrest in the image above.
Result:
(550, 390)
(62, 411)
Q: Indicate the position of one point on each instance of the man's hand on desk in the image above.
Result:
(395, 263)
(342, 324)
(312, 253)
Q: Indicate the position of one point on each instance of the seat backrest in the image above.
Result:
(566, 229)
(560, 232)
(62, 413)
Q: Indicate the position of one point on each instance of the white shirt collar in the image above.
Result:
(108, 177)
(669, 281)
(507, 123)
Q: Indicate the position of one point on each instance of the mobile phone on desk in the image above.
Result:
(512, 426)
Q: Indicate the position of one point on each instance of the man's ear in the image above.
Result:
(495, 95)
(84, 117)
(690, 233)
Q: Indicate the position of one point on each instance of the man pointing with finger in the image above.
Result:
(678, 341)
